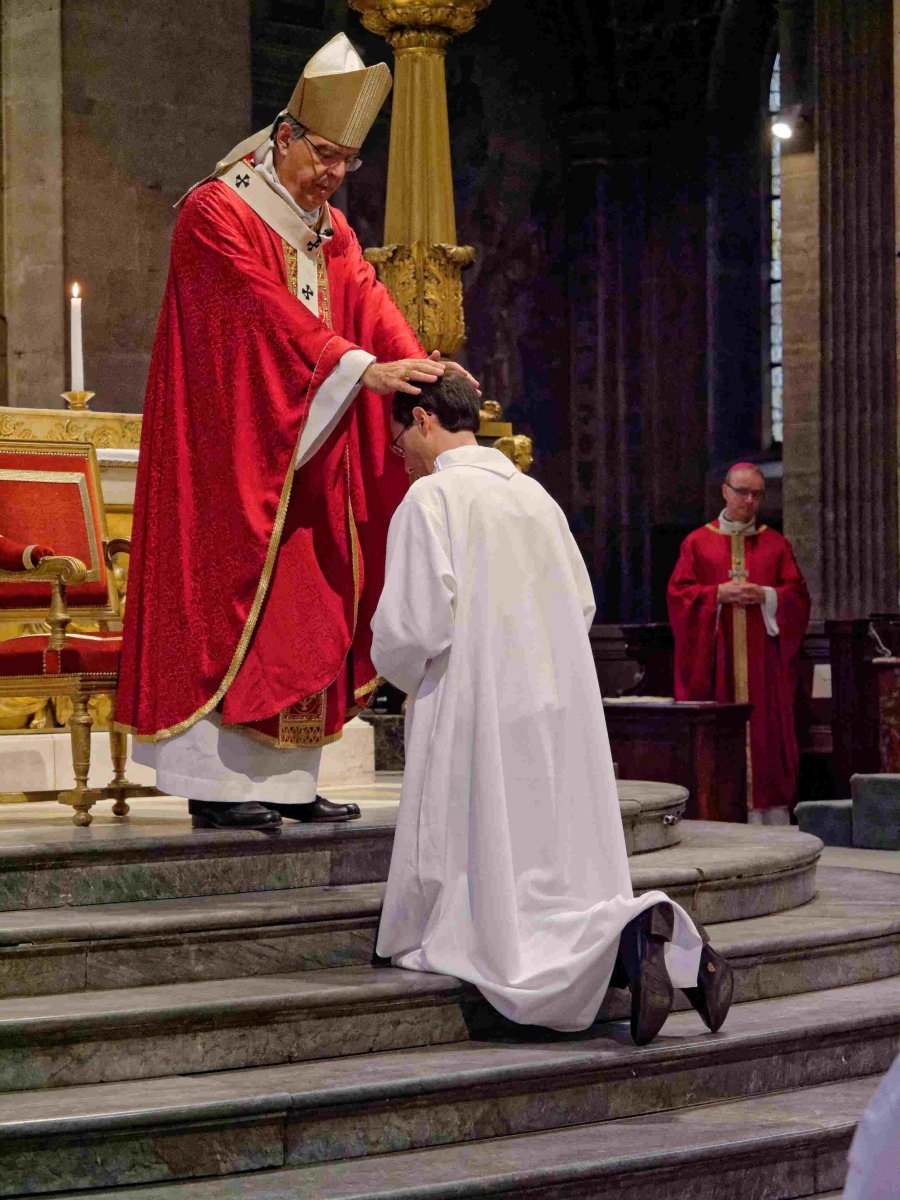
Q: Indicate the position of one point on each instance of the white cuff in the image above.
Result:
(27, 562)
(331, 402)
(769, 610)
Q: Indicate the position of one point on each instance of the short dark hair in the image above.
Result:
(452, 399)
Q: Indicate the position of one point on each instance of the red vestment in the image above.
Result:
(252, 585)
(704, 633)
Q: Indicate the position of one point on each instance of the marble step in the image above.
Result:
(849, 933)
(54, 864)
(786, 1145)
(105, 946)
(381, 1103)
(719, 871)
(144, 1032)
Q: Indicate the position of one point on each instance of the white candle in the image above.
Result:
(75, 339)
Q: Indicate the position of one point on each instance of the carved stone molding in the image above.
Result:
(425, 282)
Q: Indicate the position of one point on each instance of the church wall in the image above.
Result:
(154, 94)
(32, 196)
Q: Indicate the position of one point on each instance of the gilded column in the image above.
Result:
(420, 262)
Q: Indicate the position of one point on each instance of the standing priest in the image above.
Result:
(265, 488)
(739, 608)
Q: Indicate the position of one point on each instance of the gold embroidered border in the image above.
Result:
(290, 265)
(368, 688)
(716, 529)
(253, 616)
(267, 739)
(303, 723)
(324, 290)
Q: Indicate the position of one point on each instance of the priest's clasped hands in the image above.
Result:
(405, 373)
(744, 594)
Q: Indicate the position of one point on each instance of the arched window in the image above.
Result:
(774, 374)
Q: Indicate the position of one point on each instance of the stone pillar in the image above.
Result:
(420, 262)
(801, 306)
(33, 303)
(855, 135)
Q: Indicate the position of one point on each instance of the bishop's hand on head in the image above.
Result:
(401, 376)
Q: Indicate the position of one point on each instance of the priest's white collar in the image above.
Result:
(483, 457)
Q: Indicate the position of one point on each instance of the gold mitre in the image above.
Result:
(338, 96)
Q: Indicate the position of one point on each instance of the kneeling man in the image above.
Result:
(509, 867)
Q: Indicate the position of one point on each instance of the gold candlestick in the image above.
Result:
(78, 401)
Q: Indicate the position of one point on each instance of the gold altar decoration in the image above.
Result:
(105, 431)
(420, 263)
(78, 401)
(518, 448)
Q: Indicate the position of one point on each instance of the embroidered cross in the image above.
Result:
(242, 180)
(310, 246)
(307, 292)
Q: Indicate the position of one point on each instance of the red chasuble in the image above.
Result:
(704, 635)
(252, 585)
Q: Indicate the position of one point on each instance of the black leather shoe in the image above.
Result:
(207, 814)
(319, 809)
(714, 992)
(641, 966)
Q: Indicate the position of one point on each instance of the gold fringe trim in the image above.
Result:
(268, 740)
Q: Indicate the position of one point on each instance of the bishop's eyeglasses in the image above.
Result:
(330, 159)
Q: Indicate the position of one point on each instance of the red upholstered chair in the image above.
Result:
(51, 515)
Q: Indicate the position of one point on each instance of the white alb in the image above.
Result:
(509, 867)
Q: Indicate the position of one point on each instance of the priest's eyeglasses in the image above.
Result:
(395, 446)
(330, 159)
(746, 493)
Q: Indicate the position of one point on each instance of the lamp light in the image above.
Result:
(785, 123)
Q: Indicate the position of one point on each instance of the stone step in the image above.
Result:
(719, 871)
(836, 938)
(105, 946)
(849, 934)
(191, 1126)
(786, 1145)
(145, 1032)
(54, 864)
(830, 820)
(876, 811)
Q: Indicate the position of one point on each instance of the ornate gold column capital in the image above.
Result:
(401, 18)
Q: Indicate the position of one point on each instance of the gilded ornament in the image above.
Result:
(105, 431)
(385, 16)
(519, 449)
(426, 285)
